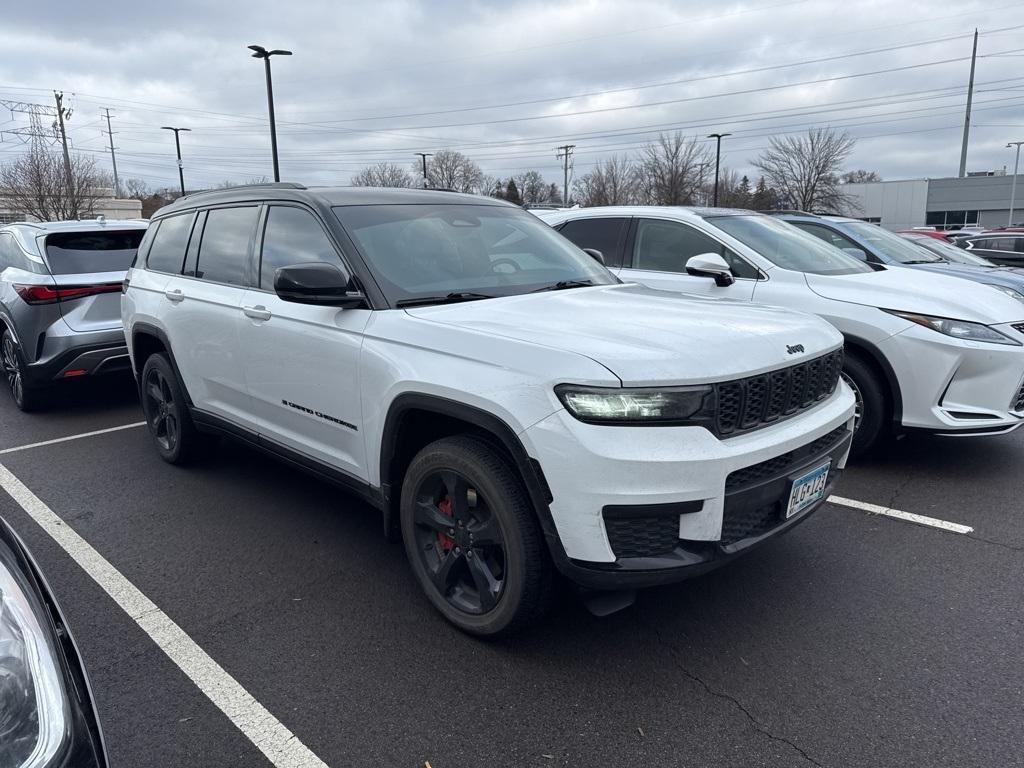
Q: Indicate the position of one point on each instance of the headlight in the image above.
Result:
(1008, 291)
(33, 709)
(665, 406)
(958, 329)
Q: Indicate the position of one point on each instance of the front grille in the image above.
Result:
(746, 523)
(748, 404)
(783, 463)
(1018, 401)
(642, 536)
(1019, 327)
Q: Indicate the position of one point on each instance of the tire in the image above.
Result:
(27, 398)
(167, 417)
(494, 507)
(872, 404)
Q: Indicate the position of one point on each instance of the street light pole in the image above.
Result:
(259, 52)
(718, 157)
(423, 157)
(177, 147)
(1013, 184)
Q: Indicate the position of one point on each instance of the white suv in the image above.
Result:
(501, 397)
(923, 351)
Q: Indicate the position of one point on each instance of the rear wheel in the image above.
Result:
(163, 402)
(871, 410)
(472, 538)
(26, 397)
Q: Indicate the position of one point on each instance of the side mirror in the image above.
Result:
(595, 254)
(710, 265)
(857, 253)
(317, 283)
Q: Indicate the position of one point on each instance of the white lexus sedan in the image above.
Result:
(923, 351)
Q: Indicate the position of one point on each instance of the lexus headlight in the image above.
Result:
(1008, 291)
(958, 329)
(666, 406)
(33, 708)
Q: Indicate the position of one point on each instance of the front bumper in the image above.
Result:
(691, 487)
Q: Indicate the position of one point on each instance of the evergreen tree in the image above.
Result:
(554, 194)
(512, 193)
(763, 199)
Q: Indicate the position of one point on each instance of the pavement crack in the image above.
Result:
(758, 725)
(993, 542)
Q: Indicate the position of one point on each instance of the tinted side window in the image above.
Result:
(830, 236)
(224, 250)
(666, 246)
(606, 235)
(293, 236)
(169, 243)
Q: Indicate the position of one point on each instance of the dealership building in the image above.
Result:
(981, 199)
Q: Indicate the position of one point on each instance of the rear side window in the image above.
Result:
(167, 252)
(666, 246)
(224, 250)
(293, 236)
(70, 253)
(995, 244)
(604, 234)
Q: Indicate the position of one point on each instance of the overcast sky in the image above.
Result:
(507, 81)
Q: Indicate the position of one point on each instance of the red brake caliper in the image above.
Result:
(444, 541)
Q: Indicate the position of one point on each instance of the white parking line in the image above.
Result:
(909, 517)
(72, 437)
(270, 736)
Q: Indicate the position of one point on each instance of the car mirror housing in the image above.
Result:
(317, 283)
(595, 254)
(710, 265)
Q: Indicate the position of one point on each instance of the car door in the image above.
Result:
(607, 234)
(302, 361)
(661, 248)
(202, 315)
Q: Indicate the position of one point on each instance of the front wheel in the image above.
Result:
(472, 538)
(870, 411)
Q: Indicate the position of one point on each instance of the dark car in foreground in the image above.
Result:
(60, 313)
(47, 714)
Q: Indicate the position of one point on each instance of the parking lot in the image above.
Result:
(856, 640)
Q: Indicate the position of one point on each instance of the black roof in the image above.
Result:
(329, 196)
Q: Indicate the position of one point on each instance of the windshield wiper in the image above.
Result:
(451, 298)
(926, 261)
(562, 285)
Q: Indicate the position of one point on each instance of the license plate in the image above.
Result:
(807, 489)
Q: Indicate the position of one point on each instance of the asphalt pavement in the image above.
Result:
(856, 640)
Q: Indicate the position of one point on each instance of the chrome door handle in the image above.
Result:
(259, 312)
(175, 295)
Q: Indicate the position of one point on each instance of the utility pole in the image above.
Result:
(423, 157)
(1013, 184)
(59, 98)
(718, 157)
(113, 157)
(563, 154)
(967, 115)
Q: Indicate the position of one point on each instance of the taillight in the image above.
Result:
(49, 294)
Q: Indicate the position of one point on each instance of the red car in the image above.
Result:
(926, 232)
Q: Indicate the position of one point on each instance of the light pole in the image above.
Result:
(259, 52)
(177, 147)
(718, 156)
(1013, 184)
(423, 156)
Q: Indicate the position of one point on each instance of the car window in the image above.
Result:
(293, 236)
(995, 244)
(224, 249)
(948, 251)
(666, 246)
(70, 253)
(8, 251)
(788, 247)
(891, 245)
(605, 234)
(167, 252)
(830, 236)
(420, 251)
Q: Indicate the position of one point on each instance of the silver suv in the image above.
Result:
(60, 314)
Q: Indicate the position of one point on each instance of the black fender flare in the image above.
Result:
(147, 329)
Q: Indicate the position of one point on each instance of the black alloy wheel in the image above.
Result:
(161, 410)
(12, 367)
(167, 415)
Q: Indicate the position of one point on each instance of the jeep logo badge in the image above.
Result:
(793, 349)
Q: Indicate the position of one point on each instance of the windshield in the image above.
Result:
(71, 253)
(788, 247)
(888, 244)
(950, 252)
(421, 251)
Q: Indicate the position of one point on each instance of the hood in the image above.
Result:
(921, 291)
(1009, 277)
(648, 337)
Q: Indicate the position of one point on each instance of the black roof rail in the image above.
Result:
(266, 185)
(787, 212)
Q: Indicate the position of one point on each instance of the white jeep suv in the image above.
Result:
(503, 399)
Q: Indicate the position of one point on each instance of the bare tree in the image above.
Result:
(614, 181)
(859, 177)
(449, 169)
(804, 170)
(383, 175)
(36, 185)
(671, 170)
(532, 187)
(135, 189)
